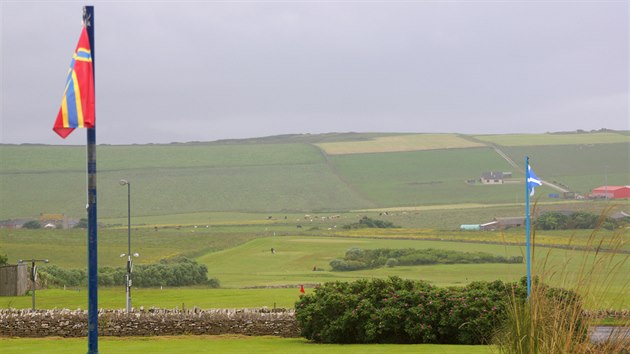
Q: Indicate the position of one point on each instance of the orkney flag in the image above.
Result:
(77, 105)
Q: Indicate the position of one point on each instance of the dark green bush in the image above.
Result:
(366, 222)
(576, 220)
(401, 311)
(395, 310)
(179, 271)
(357, 258)
(32, 224)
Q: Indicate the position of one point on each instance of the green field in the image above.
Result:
(554, 139)
(398, 143)
(580, 167)
(228, 203)
(220, 344)
(241, 258)
(292, 174)
(67, 248)
(173, 179)
(427, 177)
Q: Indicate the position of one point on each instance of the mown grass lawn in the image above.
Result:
(220, 344)
(241, 260)
(166, 298)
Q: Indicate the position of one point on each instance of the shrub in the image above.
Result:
(401, 311)
(179, 271)
(576, 220)
(32, 224)
(357, 258)
(366, 222)
(391, 262)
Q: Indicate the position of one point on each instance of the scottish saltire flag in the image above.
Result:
(532, 180)
(77, 106)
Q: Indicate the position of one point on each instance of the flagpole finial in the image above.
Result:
(86, 17)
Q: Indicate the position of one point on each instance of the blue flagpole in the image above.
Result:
(88, 18)
(527, 223)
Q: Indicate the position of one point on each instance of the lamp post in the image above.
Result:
(33, 275)
(124, 182)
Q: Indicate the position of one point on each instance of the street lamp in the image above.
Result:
(33, 275)
(124, 182)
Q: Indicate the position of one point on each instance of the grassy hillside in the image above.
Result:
(294, 173)
(398, 143)
(555, 138)
(172, 179)
(427, 177)
(581, 167)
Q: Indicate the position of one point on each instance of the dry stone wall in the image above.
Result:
(152, 322)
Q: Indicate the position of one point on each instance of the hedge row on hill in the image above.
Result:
(366, 222)
(577, 220)
(356, 258)
(179, 271)
(405, 311)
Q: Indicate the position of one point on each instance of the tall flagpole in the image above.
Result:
(88, 18)
(527, 221)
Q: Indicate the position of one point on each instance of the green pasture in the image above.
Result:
(220, 344)
(398, 143)
(428, 177)
(164, 191)
(440, 217)
(580, 167)
(169, 179)
(553, 139)
(289, 175)
(40, 158)
(68, 248)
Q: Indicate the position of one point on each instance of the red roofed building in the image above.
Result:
(611, 192)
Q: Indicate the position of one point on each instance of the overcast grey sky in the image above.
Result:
(206, 70)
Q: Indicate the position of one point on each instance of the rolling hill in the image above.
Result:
(304, 173)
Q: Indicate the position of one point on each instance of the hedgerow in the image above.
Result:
(179, 271)
(356, 258)
(396, 310)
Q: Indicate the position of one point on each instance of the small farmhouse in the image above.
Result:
(611, 192)
(494, 177)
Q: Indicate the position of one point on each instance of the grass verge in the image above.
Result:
(219, 344)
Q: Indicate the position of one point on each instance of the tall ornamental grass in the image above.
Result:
(553, 321)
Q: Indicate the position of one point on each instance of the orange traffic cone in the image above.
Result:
(302, 289)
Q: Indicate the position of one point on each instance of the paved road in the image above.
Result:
(601, 334)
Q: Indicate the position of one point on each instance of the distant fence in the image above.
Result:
(152, 322)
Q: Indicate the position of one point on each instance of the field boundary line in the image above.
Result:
(333, 169)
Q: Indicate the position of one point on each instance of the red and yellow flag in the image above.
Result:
(77, 106)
